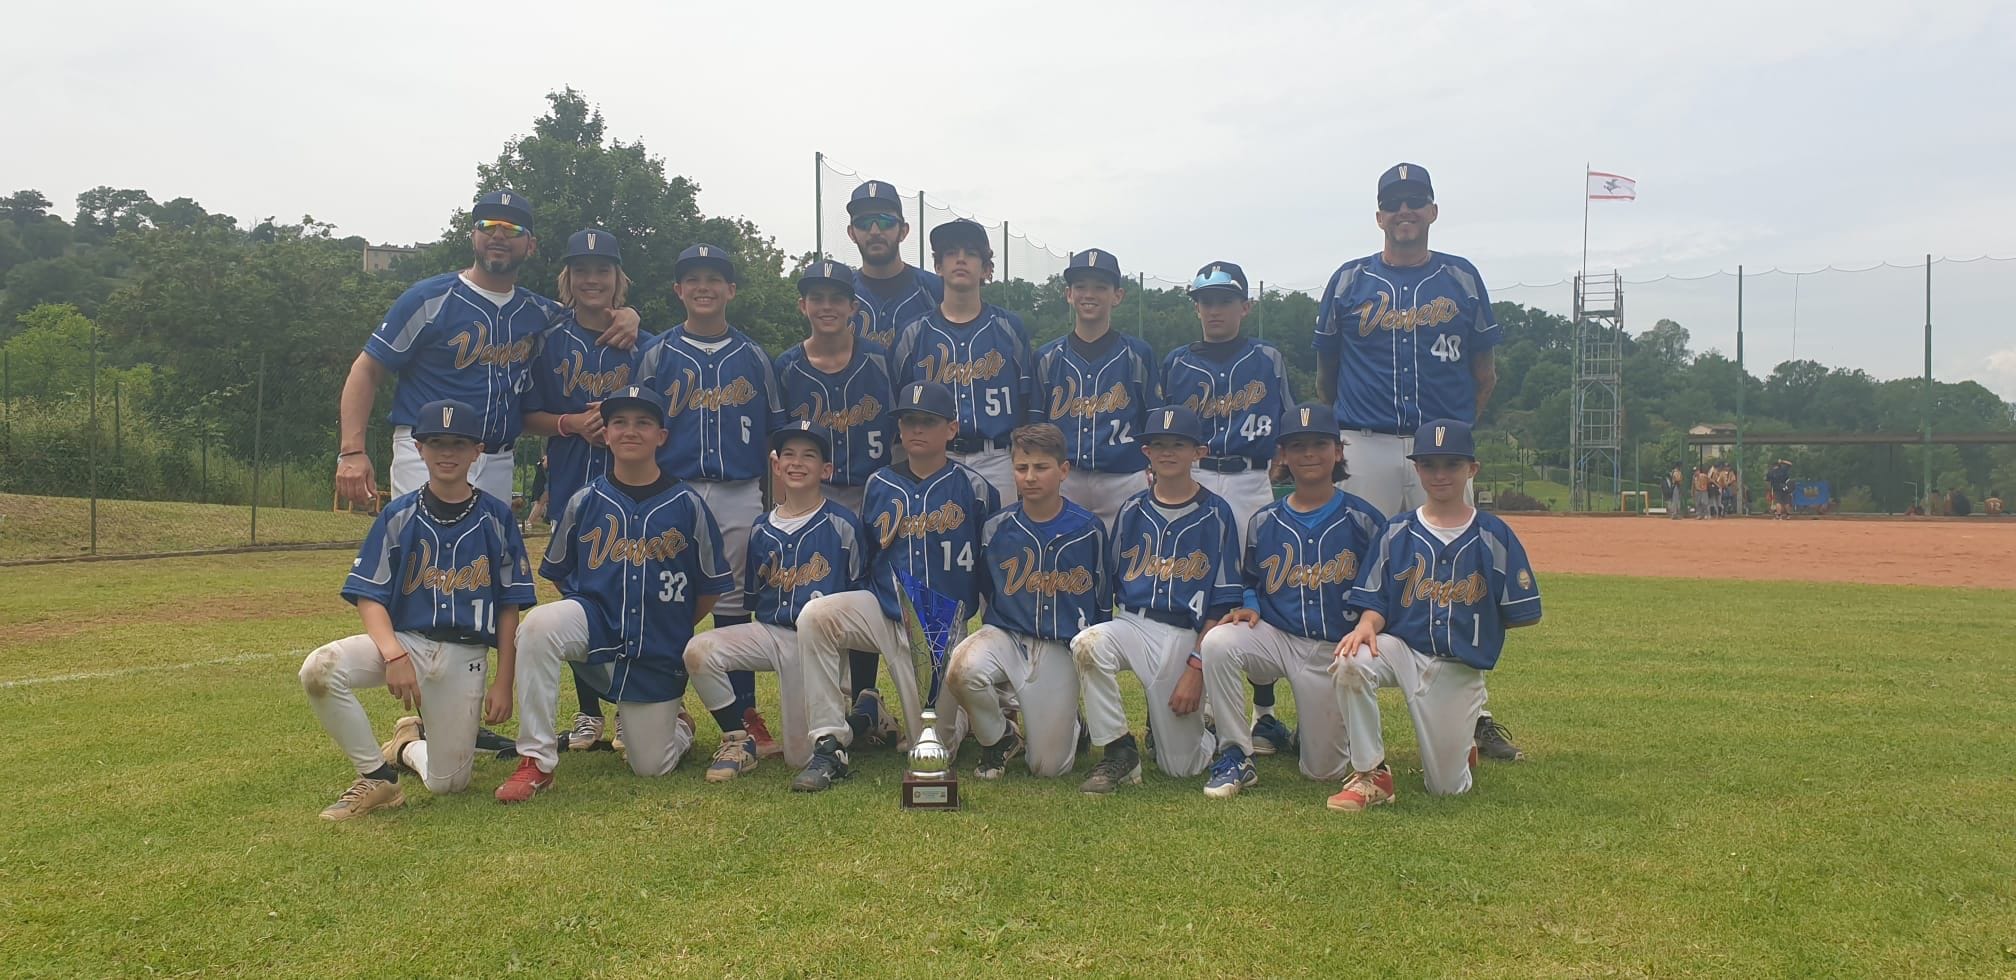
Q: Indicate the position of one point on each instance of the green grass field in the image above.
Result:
(1725, 779)
(60, 527)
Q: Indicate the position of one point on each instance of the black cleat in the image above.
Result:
(828, 766)
(1120, 764)
(1494, 741)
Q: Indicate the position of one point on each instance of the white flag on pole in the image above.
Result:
(1611, 187)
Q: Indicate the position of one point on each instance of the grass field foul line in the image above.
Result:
(97, 675)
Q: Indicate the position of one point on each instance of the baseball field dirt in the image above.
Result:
(1869, 551)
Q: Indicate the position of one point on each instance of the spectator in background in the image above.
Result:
(1957, 503)
(1675, 487)
(1725, 488)
(1779, 476)
(536, 511)
(1701, 485)
(1992, 505)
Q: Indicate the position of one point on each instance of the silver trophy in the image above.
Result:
(934, 624)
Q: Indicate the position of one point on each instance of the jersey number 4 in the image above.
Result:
(1448, 347)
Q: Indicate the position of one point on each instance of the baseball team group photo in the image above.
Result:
(672, 562)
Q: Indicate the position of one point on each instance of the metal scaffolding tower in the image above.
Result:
(1596, 428)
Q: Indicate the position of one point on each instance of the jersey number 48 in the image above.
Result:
(1448, 347)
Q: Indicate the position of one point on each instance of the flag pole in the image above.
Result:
(1585, 220)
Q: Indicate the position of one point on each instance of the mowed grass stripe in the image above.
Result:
(1782, 780)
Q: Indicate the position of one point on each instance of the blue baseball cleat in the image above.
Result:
(1271, 736)
(1230, 774)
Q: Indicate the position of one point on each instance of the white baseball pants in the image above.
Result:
(754, 646)
(1102, 493)
(736, 505)
(655, 738)
(1158, 654)
(1444, 697)
(994, 667)
(1235, 653)
(451, 703)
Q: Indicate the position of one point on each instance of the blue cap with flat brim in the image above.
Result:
(1444, 437)
(447, 417)
(1405, 176)
(593, 242)
(1174, 420)
(959, 232)
(803, 429)
(1093, 263)
(700, 256)
(826, 272)
(1219, 279)
(925, 398)
(875, 196)
(1310, 419)
(504, 205)
(635, 396)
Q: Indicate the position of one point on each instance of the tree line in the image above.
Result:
(185, 304)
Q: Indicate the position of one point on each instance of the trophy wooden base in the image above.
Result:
(920, 793)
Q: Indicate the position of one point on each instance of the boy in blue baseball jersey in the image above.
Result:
(1096, 385)
(467, 336)
(1175, 558)
(637, 558)
(571, 374)
(1403, 335)
(1238, 386)
(806, 547)
(891, 291)
(1302, 554)
(978, 350)
(721, 401)
(923, 518)
(841, 383)
(1443, 584)
(1045, 562)
(438, 581)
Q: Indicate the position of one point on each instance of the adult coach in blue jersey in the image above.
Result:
(978, 350)
(1404, 335)
(1096, 386)
(467, 336)
(892, 291)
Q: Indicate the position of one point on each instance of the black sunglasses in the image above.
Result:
(879, 222)
(1415, 202)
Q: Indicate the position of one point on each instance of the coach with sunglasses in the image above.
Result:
(1405, 335)
(892, 293)
(467, 336)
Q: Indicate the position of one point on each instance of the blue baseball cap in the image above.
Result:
(447, 417)
(1310, 418)
(1443, 437)
(506, 205)
(1401, 176)
(803, 429)
(959, 231)
(826, 271)
(635, 396)
(704, 255)
(1219, 279)
(595, 242)
(1174, 420)
(926, 398)
(1093, 263)
(875, 196)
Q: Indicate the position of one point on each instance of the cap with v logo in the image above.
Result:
(1174, 420)
(1444, 437)
(448, 417)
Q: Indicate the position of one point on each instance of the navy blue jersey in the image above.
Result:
(570, 372)
(1100, 405)
(639, 570)
(878, 319)
(929, 528)
(1181, 560)
(1405, 340)
(852, 405)
(1450, 600)
(446, 340)
(721, 401)
(988, 365)
(434, 576)
(1238, 398)
(1047, 579)
(1300, 567)
(788, 569)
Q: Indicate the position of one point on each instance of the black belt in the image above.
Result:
(1227, 464)
(975, 444)
(445, 634)
(1182, 621)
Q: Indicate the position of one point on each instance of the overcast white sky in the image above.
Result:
(1766, 134)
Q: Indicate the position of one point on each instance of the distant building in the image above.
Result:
(379, 258)
(1715, 450)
